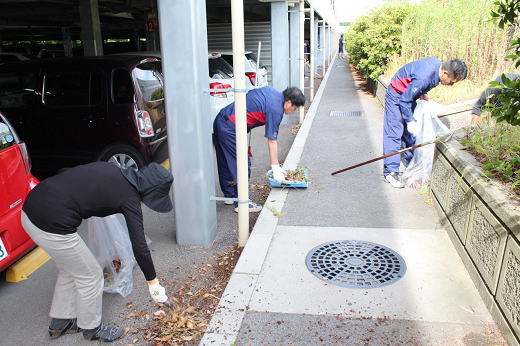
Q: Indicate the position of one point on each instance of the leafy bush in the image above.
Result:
(497, 147)
(507, 105)
(373, 39)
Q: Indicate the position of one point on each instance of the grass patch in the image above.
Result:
(497, 147)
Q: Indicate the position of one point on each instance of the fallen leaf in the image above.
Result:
(126, 330)
(135, 340)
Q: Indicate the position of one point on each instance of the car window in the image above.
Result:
(228, 58)
(122, 89)
(252, 56)
(219, 68)
(17, 88)
(73, 88)
(7, 138)
(8, 58)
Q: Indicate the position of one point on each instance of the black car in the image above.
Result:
(72, 111)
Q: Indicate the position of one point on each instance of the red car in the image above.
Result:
(16, 181)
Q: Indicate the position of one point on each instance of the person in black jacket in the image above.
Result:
(489, 94)
(56, 207)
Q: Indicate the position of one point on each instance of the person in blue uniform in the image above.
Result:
(411, 82)
(264, 106)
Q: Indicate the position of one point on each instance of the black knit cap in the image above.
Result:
(153, 183)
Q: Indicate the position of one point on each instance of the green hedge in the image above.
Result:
(374, 38)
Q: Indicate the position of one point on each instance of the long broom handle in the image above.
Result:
(384, 156)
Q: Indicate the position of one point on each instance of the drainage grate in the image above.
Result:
(355, 264)
(345, 113)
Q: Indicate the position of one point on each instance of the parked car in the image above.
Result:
(220, 77)
(250, 62)
(72, 111)
(15, 183)
(12, 57)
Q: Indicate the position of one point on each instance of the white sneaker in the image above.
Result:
(228, 202)
(394, 180)
(253, 208)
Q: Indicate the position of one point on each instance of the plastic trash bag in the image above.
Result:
(419, 170)
(108, 240)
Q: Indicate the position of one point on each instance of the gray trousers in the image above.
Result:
(79, 286)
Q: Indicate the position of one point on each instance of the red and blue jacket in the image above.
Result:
(264, 106)
(413, 80)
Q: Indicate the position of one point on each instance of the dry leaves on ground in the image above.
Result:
(194, 303)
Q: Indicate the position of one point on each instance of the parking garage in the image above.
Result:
(183, 33)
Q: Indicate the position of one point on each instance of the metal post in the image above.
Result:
(301, 23)
(280, 42)
(295, 44)
(312, 48)
(90, 27)
(185, 64)
(237, 27)
(67, 42)
(322, 48)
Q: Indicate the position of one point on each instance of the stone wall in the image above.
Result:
(483, 221)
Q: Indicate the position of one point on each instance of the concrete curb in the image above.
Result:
(227, 319)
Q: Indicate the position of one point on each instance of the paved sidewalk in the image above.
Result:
(272, 298)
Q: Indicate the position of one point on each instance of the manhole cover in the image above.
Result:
(345, 113)
(355, 264)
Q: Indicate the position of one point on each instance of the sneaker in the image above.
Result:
(253, 207)
(394, 180)
(228, 202)
(60, 326)
(103, 333)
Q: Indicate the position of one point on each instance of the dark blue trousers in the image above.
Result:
(395, 134)
(224, 140)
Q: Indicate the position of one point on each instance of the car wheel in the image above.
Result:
(123, 156)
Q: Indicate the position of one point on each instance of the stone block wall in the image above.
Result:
(483, 221)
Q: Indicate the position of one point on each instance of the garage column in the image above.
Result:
(67, 43)
(323, 48)
(185, 66)
(152, 33)
(90, 27)
(295, 45)
(280, 44)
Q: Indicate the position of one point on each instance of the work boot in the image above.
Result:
(253, 207)
(103, 333)
(60, 326)
(394, 180)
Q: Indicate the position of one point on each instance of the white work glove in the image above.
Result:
(413, 127)
(157, 292)
(278, 173)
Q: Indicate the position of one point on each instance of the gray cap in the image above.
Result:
(153, 183)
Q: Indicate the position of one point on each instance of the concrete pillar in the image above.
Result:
(295, 43)
(280, 44)
(90, 28)
(185, 66)
(136, 36)
(67, 42)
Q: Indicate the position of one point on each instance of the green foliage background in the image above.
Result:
(373, 39)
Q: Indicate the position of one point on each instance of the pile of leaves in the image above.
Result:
(497, 147)
(297, 174)
(194, 302)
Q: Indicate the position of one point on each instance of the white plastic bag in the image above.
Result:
(108, 239)
(419, 170)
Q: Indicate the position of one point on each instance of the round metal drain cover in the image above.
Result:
(355, 264)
